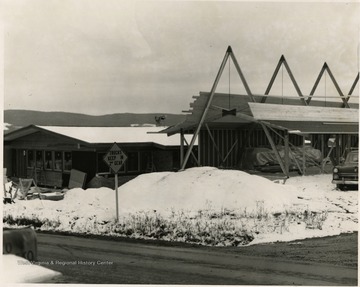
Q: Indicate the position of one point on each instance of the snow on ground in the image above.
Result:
(20, 270)
(202, 205)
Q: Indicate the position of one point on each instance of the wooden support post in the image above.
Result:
(199, 151)
(286, 145)
(203, 116)
(117, 196)
(297, 163)
(193, 155)
(277, 155)
(348, 143)
(337, 148)
(304, 156)
(231, 149)
(290, 144)
(181, 147)
(323, 145)
(215, 145)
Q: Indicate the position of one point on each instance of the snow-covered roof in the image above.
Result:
(96, 135)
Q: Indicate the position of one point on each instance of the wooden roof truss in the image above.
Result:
(229, 53)
(204, 120)
(281, 62)
(326, 68)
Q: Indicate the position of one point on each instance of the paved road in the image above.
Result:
(84, 260)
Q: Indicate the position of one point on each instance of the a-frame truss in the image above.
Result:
(281, 62)
(326, 68)
(229, 53)
(284, 163)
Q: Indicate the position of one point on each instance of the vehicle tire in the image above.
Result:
(341, 186)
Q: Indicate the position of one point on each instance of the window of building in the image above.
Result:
(67, 160)
(101, 164)
(39, 159)
(58, 162)
(49, 160)
(30, 159)
(145, 161)
(133, 161)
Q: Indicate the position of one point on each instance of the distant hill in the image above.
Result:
(20, 118)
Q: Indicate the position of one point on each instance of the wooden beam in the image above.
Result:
(276, 152)
(322, 145)
(353, 86)
(283, 61)
(215, 145)
(304, 157)
(286, 145)
(192, 154)
(296, 162)
(272, 80)
(182, 137)
(324, 68)
(199, 150)
(303, 114)
(247, 88)
(337, 86)
(337, 148)
(202, 119)
(316, 84)
(297, 88)
(231, 149)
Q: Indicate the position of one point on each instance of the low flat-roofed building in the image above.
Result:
(49, 153)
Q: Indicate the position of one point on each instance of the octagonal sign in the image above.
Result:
(115, 158)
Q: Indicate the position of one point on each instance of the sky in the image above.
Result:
(103, 57)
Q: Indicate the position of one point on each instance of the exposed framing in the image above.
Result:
(229, 53)
(326, 68)
(281, 62)
(220, 152)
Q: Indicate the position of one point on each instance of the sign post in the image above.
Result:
(115, 159)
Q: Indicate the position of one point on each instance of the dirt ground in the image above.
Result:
(338, 250)
(311, 262)
(341, 250)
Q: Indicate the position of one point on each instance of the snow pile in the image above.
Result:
(200, 205)
(202, 188)
(19, 270)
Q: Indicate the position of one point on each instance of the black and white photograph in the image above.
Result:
(180, 142)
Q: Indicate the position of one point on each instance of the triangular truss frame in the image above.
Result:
(326, 68)
(229, 53)
(281, 62)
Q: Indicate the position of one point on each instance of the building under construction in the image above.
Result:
(267, 132)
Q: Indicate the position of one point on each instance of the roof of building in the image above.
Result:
(326, 112)
(98, 135)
